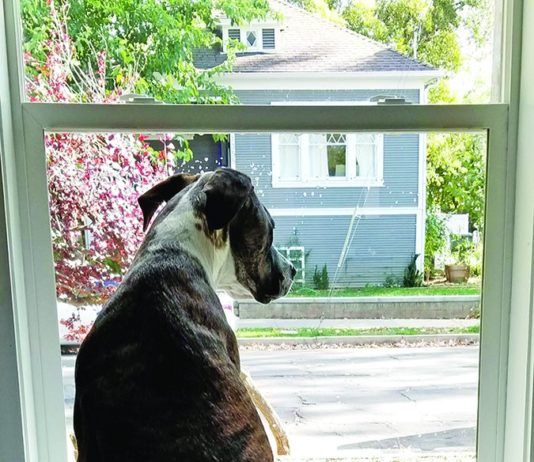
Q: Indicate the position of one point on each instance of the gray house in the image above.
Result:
(352, 201)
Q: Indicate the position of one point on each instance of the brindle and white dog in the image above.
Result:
(158, 375)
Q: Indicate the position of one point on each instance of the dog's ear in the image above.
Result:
(226, 192)
(163, 192)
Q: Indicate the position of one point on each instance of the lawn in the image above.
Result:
(331, 332)
(453, 289)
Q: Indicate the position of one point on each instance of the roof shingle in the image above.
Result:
(309, 43)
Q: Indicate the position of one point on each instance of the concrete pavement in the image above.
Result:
(351, 402)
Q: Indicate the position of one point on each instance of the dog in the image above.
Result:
(158, 376)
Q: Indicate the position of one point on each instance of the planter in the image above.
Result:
(457, 273)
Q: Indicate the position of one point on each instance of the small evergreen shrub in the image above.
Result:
(412, 276)
(321, 280)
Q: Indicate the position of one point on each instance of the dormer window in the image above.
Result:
(234, 34)
(251, 39)
(255, 37)
(268, 39)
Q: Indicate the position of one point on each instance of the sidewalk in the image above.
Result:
(355, 323)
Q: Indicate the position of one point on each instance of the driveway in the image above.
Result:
(353, 401)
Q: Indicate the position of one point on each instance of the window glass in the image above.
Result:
(329, 158)
(251, 39)
(350, 377)
(179, 52)
(337, 155)
(366, 146)
(289, 157)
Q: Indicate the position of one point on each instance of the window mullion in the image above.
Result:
(304, 151)
(351, 155)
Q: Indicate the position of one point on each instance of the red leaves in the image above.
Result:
(94, 179)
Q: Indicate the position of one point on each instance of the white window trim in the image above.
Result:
(350, 181)
(331, 182)
(506, 351)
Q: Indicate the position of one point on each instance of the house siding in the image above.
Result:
(270, 96)
(208, 155)
(400, 189)
(380, 246)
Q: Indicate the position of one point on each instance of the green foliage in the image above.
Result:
(456, 167)
(321, 280)
(474, 260)
(423, 29)
(361, 18)
(152, 39)
(435, 239)
(323, 8)
(462, 249)
(412, 276)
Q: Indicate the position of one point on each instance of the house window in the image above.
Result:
(366, 155)
(327, 159)
(254, 39)
(328, 155)
(268, 39)
(297, 256)
(234, 34)
(289, 149)
(251, 39)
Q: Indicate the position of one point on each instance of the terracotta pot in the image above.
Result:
(457, 273)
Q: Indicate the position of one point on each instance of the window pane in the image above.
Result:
(337, 160)
(357, 246)
(289, 138)
(437, 52)
(289, 162)
(365, 161)
(251, 38)
(318, 161)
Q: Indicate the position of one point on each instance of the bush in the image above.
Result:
(412, 276)
(321, 280)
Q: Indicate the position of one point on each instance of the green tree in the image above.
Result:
(423, 29)
(428, 30)
(153, 39)
(456, 175)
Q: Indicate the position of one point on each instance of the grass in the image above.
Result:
(331, 332)
(457, 289)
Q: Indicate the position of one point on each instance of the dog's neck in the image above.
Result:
(183, 226)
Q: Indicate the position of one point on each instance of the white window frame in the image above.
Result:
(348, 181)
(507, 341)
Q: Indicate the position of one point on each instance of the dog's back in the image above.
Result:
(157, 379)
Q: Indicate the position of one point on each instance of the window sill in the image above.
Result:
(352, 183)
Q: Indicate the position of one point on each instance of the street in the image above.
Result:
(352, 401)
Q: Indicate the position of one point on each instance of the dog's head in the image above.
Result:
(218, 218)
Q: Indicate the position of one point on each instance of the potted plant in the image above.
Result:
(458, 270)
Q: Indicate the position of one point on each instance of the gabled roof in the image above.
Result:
(309, 43)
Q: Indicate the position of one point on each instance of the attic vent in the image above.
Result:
(234, 34)
(268, 39)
